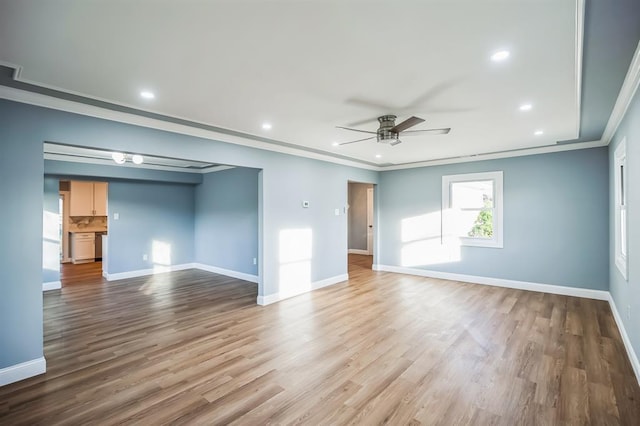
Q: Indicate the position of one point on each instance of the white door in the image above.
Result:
(370, 220)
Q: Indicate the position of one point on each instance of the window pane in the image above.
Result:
(472, 195)
(473, 223)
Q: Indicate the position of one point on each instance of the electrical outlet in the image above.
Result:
(337, 212)
(145, 257)
(116, 216)
(255, 261)
(628, 312)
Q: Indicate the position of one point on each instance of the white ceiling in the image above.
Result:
(308, 66)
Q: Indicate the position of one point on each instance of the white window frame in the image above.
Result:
(621, 183)
(496, 178)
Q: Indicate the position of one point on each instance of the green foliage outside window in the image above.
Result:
(483, 226)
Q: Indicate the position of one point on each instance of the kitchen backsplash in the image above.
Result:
(77, 223)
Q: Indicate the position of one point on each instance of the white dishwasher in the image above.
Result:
(83, 248)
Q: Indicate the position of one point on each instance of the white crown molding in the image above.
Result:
(24, 370)
(627, 91)
(498, 155)
(633, 357)
(45, 101)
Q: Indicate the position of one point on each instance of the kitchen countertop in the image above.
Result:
(80, 231)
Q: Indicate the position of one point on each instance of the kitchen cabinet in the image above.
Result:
(88, 198)
(83, 247)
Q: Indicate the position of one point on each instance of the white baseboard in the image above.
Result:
(276, 297)
(22, 371)
(227, 272)
(51, 285)
(143, 272)
(358, 251)
(499, 282)
(633, 358)
(269, 299)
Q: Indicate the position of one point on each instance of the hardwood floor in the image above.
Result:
(81, 273)
(193, 347)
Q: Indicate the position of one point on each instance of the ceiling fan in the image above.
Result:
(389, 132)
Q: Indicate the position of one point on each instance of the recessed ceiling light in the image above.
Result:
(526, 107)
(147, 95)
(266, 126)
(335, 144)
(137, 159)
(538, 132)
(500, 55)
(378, 156)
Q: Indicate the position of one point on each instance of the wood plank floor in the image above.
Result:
(191, 347)
(81, 273)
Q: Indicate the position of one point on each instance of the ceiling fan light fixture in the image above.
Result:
(119, 157)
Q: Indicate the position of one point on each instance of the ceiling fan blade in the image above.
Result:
(356, 130)
(367, 103)
(359, 140)
(442, 131)
(361, 122)
(409, 122)
(434, 92)
(449, 110)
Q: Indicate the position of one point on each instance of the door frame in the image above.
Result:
(370, 220)
(65, 226)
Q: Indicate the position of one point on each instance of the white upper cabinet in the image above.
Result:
(88, 198)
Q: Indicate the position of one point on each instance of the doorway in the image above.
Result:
(361, 224)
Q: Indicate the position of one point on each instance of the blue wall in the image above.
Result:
(21, 171)
(226, 223)
(555, 218)
(627, 293)
(153, 217)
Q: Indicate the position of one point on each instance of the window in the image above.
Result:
(472, 209)
(620, 178)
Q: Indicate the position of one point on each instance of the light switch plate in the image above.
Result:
(116, 216)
